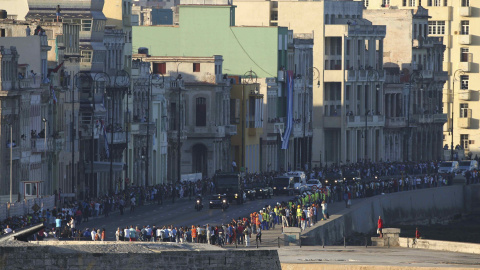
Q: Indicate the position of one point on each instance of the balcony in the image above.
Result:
(464, 122)
(395, 122)
(332, 122)
(38, 145)
(363, 75)
(440, 118)
(440, 75)
(231, 130)
(424, 119)
(359, 120)
(465, 95)
(464, 39)
(118, 137)
(465, 11)
(140, 128)
(427, 74)
(465, 66)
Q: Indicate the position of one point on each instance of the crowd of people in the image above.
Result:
(301, 211)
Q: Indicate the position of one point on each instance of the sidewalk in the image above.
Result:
(270, 238)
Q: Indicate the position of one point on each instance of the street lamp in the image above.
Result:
(460, 72)
(373, 75)
(120, 85)
(157, 81)
(415, 77)
(313, 74)
(8, 119)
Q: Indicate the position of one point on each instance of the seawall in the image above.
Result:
(133, 256)
(413, 205)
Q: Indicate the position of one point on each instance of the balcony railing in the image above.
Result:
(118, 137)
(395, 122)
(359, 120)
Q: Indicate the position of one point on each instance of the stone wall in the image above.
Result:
(48, 257)
(439, 245)
(397, 207)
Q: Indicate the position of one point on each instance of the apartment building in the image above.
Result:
(195, 112)
(26, 137)
(413, 85)
(254, 54)
(348, 109)
(453, 20)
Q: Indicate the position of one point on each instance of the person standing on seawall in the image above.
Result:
(380, 226)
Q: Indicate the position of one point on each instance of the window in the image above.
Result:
(196, 67)
(463, 110)
(465, 27)
(201, 112)
(86, 25)
(86, 56)
(365, 3)
(412, 3)
(464, 55)
(404, 3)
(386, 3)
(436, 27)
(464, 82)
(465, 3)
(464, 140)
(437, 3)
(159, 68)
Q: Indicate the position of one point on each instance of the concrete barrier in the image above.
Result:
(439, 245)
(108, 257)
(413, 205)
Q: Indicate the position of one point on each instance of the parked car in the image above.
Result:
(467, 165)
(314, 184)
(448, 167)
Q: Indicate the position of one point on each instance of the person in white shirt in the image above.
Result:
(8, 229)
(93, 234)
(324, 210)
(126, 233)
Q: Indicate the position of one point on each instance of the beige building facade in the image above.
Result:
(348, 57)
(413, 85)
(455, 22)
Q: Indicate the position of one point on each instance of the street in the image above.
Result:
(181, 213)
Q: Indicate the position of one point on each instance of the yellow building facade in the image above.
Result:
(246, 110)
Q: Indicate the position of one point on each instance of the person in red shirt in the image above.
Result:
(380, 226)
(417, 234)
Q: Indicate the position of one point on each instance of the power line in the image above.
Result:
(245, 51)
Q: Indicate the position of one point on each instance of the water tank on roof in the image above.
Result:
(143, 50)
(3, 14)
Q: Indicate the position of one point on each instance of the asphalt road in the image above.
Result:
(180, 213)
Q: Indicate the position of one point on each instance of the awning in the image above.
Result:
(103, 166)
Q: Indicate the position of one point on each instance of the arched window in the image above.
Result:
(201, 112)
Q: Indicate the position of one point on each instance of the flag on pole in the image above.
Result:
(53, 95)
(107, 151)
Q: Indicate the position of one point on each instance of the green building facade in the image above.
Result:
(206, 30)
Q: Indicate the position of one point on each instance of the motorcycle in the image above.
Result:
(198, 204)
(224, 205)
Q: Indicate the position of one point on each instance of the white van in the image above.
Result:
(467, 165)
(299, 181)
(448, 167)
